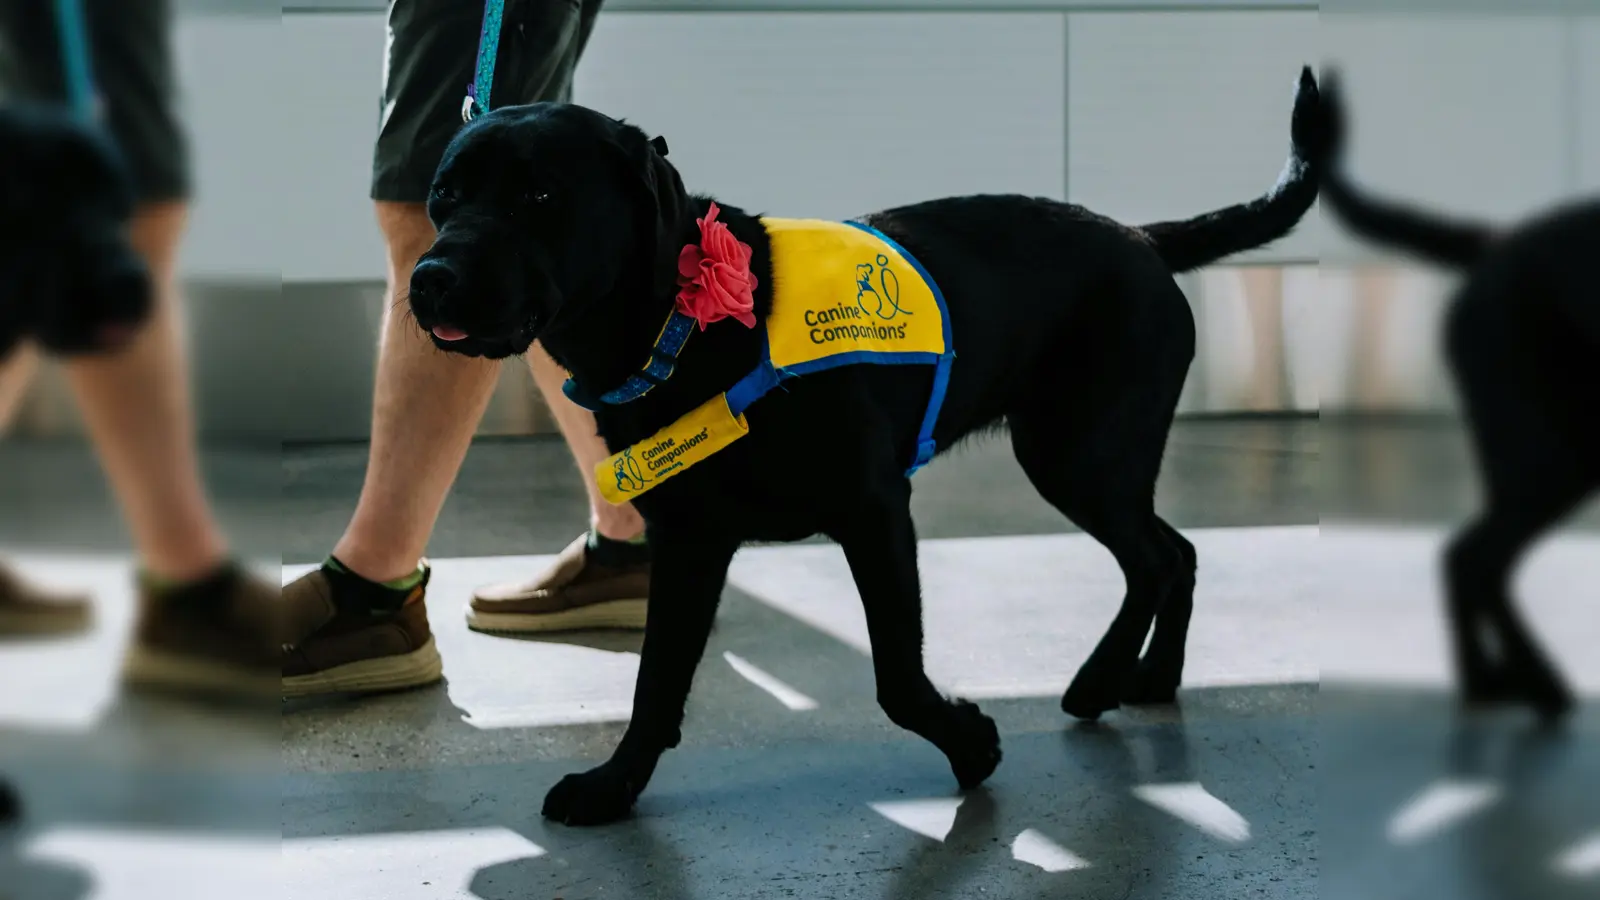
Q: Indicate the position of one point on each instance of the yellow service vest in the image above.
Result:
(842, 294)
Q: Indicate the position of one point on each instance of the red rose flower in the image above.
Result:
(714, 276)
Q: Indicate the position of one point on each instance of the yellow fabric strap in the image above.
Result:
(709, 428)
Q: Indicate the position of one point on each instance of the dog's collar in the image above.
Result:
(663, 362)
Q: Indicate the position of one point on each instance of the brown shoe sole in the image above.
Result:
(45, 624)
(626, 613)
(149, 669)
(420, 667)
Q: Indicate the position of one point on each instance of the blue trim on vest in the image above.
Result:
(856, 357)
(75, 57)
(763, 378)
(926, 448)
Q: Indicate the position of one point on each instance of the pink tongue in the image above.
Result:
(447, 333)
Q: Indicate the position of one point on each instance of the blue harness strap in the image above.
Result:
(478, 92)
(75, 57)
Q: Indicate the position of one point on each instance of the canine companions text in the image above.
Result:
(768, 379)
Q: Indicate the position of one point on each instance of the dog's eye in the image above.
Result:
(444, 194)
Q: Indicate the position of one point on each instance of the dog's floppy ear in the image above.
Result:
(662, 188)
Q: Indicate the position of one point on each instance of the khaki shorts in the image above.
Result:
(433, 52)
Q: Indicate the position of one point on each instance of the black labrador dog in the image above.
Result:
(560, 224)
(68, 277)
(1522, 340)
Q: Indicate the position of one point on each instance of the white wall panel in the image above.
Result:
(832, 115)
(312, 200)
(233, 99)
(1586, 47)
(1174, 114)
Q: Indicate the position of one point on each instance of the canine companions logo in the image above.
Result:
(644, 465)
(630, 478)
(888, 298)
(873, 301)
(659, 459)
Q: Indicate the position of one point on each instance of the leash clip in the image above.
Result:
(469, 108)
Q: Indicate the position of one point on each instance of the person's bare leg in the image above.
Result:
(1263, 298)
(16, 376)
(136, 405)
(619, 523)
(425, 408)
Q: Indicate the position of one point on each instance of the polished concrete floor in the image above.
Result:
(1314, 752)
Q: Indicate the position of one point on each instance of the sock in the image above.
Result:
(351, 591)
(403, 583)
(614, 554)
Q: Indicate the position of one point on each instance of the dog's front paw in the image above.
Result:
(978, 754)
(594, 797)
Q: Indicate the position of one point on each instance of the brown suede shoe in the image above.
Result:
(328, 649)
(214, 637)
(574, 594)
(30, 610)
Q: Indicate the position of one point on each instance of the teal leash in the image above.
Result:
(478, 93)
(75, 56)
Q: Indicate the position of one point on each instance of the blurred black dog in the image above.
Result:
(1522, 339)
(560, 224)
(68, 277)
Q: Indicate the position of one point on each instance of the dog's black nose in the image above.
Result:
(432, 279)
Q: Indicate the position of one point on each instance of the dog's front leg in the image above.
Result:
(880, 543)
(688, 571)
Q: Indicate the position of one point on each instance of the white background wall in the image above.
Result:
(1141, 115)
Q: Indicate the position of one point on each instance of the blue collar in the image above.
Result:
(663, 362)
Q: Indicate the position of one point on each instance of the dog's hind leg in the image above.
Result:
(1497, 659)
(1090, 438)
(689, 570)
(880, 544)
(1536, 460)
(1535, 470)
(1161, 670)
(1104, 480)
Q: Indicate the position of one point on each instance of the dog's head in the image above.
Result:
(549, 216)
(68, 276)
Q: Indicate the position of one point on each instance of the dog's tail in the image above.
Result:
(1449, 242)
(1203, 240)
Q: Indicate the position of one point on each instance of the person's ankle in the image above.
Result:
(614, 554)
(218, 575)
(621, 524)
(353, 591)
(181, 569)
